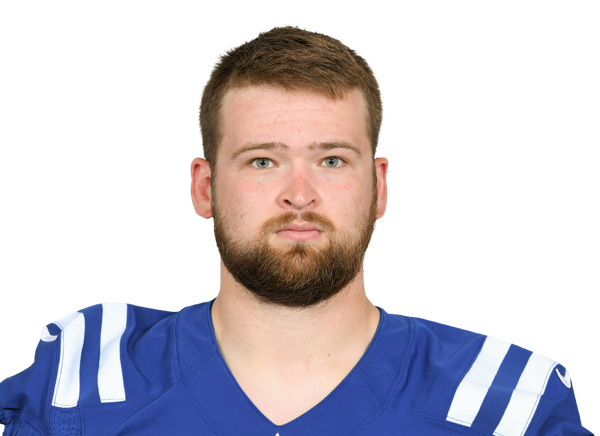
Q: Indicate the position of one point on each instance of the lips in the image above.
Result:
(299, 232)
(300, 227)
(299, 236)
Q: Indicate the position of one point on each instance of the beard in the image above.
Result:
(299, 275)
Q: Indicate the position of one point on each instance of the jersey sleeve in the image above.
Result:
(25, 397)
(481, 385)
(557, 413)
(95, 367)
(77, 358)
(510, 391)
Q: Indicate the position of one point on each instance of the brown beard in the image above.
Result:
(302, 275)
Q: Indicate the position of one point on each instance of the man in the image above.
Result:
(291, 345)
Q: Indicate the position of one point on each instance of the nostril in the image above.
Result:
(288, 202)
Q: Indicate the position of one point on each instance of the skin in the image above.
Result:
(288, 360)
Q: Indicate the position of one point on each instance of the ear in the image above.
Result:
(381, 167)
(201, 193)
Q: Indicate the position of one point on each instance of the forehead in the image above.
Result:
(294, 118)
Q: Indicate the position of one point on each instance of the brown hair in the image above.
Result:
(294, 59)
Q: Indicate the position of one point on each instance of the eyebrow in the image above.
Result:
(281, 146)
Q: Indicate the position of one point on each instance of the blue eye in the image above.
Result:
(262, 161)
(334, 159)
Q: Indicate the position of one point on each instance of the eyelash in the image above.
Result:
(251, 163)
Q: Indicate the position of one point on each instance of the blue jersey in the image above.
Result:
(117, 369)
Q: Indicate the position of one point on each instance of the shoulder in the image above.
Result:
(105, 343)
(476, 381)
(107, 353)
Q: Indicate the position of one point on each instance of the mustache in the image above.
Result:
(276, 223)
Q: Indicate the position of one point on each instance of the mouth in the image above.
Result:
(299, 235)
(300, 227)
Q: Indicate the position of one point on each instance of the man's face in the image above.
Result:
(295, 197)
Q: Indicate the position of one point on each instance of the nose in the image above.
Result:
(298, 191)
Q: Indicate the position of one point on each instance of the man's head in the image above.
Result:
(298, 191)
(295, 60)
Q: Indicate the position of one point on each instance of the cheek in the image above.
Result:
(252, 195)
(344, 200)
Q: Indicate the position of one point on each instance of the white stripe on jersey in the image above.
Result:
(526, 396)
(110, 373)
(45, 335)
(472, 390)
(66, 390)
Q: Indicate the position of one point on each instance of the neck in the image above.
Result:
(250, 330)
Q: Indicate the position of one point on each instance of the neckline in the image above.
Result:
(317, 406)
